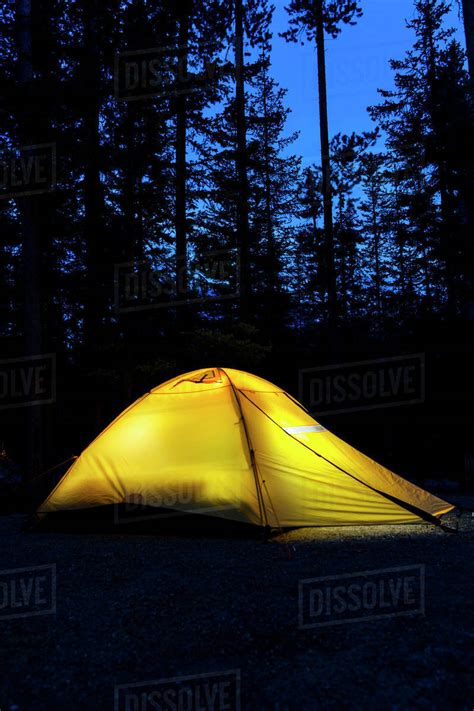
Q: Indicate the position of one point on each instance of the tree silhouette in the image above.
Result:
(314, 19)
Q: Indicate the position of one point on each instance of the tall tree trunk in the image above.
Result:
(326, 166)
(430, 292)
(378, 276)
(426, 273)
(127, 250)
(243, 230)
(401, 248)
(31, 254)
(447, 241)
(402, 267)
(130, 323)
(401, 263)
(343, 289)
(468, 13)
(96, 299)
(447, 234)
(271, 251)
(181, 132)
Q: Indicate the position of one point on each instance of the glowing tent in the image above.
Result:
(226, 443)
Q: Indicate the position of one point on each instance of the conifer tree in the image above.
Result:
(314, 19)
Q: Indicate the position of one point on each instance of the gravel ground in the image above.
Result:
(133, 608)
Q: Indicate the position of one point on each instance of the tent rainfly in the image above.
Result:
(225, 443)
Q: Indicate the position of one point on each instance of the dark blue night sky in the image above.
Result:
(357, 64)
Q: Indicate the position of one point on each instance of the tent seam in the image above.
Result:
(261, 503)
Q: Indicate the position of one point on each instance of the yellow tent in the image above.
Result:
(226, 443)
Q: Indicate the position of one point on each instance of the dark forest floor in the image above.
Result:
(132, 608)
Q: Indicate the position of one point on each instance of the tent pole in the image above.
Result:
(261, 505)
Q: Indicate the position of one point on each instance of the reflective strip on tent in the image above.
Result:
(304, 428)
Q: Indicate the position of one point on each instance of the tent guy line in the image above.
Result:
(251, 452)
(419, 512)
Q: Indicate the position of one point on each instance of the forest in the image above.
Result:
(156, 217)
